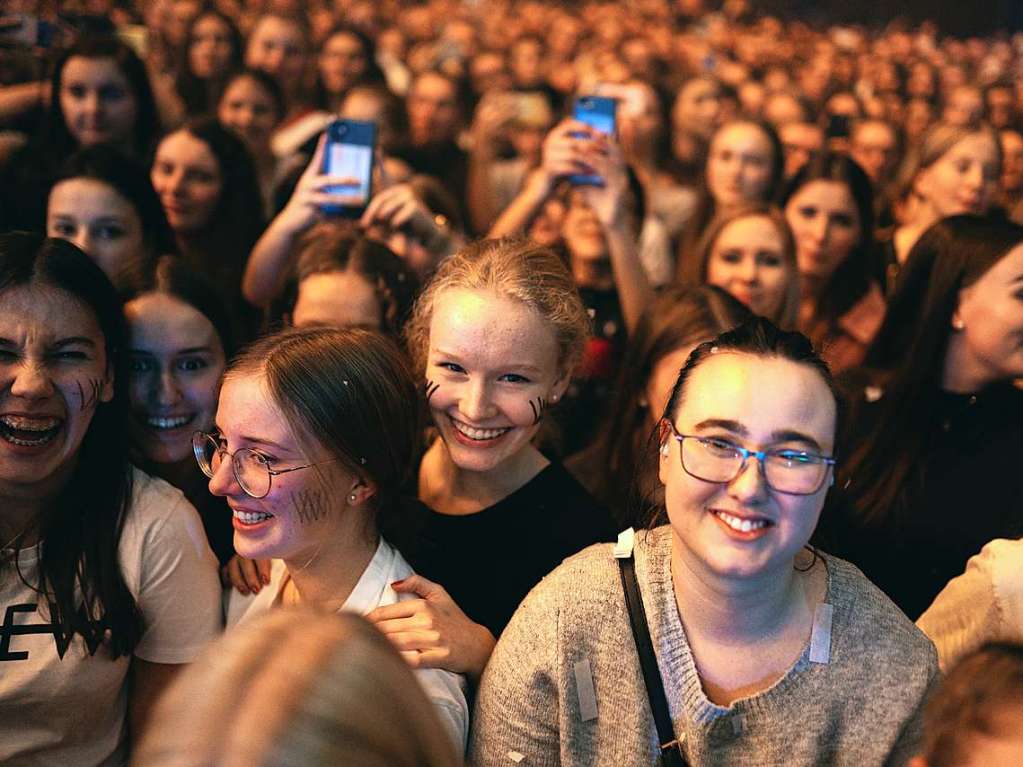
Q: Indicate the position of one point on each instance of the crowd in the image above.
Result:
(691, 441)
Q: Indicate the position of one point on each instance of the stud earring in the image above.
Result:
(957, 323)
(352, 498)
(665, 450)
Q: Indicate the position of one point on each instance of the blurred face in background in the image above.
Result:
(97, 101)
(210, 51)
(278, 47)
(250, 111)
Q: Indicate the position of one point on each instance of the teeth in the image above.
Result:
(478, 434)
(30, 423)
(168, 423)
(740, 525)
(251, 518)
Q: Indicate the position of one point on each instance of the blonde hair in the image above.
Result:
(693, 269)
(511, 268)
(936, 141)
(297, 688)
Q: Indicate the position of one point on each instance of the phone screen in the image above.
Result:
(598, 112)
(349, 152)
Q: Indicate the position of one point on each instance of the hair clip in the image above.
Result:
(344, 381)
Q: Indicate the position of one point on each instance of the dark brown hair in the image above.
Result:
(981, 695)
(351, 390)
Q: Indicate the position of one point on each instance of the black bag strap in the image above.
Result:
(672, 754)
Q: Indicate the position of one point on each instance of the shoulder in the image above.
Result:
(155, 503)
(872, 628)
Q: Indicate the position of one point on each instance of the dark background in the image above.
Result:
(954, 17)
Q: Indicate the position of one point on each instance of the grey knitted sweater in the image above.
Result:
(860, 708)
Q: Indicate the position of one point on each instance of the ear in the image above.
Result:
(920, 183)
(958, 323)
(107, 390)
(558, 388)
(360, 491)
(663, 450)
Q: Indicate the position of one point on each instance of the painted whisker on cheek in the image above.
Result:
(431, 389)
(310, 506)
(88, 395)
(538, 407)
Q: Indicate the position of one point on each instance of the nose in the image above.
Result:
(83, 240)
(167, 391)
(974, 177)
(750, 486)
(476, 404)
(223, 482)
(92, 103)
(817, 228)
(175, 182)
(749, 269)
(31, 381)
(272, 62)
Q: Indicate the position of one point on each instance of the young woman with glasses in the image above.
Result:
(769, 652)
(315, 433)
(107, 585)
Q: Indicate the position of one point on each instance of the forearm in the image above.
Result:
(481, 199)
(16, 100)
(269, 264)
(523, 209)
(634, 289)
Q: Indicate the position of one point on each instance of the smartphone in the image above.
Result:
(599, 113)
(349, 152)
(838, 126)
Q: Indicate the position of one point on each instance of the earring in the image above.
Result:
(554, 398)
(957, 322)
(665, 450)
(352, 498)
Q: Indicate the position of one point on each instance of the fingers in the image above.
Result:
(263, 567)
(423, 587)
(403, 609)
(315, 165)
(243, 575)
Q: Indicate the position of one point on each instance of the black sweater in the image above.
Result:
(966, 491)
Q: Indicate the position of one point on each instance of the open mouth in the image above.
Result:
(29, 431)
(478, 435)
(163, 423)
(251, 517)
(740, 524)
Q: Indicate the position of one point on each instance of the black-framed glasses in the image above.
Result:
(785, 469)
(251, 469)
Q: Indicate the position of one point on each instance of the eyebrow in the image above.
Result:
(782, 435)
(75, 341)
(504, 366)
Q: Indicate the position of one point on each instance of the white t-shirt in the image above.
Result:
(62, 706)
(445, 689)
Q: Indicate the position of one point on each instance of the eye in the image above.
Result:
(7, 356)
(70, 356)
(514, 378)
(718, 446)
(843, 220)
(140, 365)
(730, 256)
(63, 229)
(192, 364)
(112, 93)
(808, 211)
(796, 457)
(769, 259)
(111, 232)
(452, 367)
(76, 91)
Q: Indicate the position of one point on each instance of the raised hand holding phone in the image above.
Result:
(349, 154)
(598, 112)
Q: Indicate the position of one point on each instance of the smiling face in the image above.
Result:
(826, 225)
(176, 364)
(97, 101)
(492, 360)
(739, 165)
(757, 403)
(303, 511)
(964, 179)
(96, 218)
(53, 376)
(187, 178)
(748, 260)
